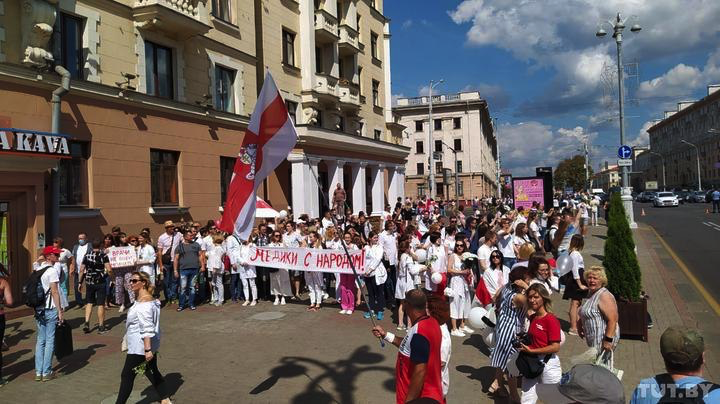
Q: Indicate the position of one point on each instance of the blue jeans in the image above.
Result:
(235, 287)
(188, 281)
(509, 262)
(45, 346)
(170, 281)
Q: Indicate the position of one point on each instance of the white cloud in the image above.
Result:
(642, 138)
(406, 24)
(682, 80)
(395, 97)
(527, 145)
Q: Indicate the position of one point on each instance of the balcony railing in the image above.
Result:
(326, 25)
(184, 18)
(349, 93)
(439, 99)
(349, 40)
(325, 84)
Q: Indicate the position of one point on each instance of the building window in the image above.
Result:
(458, 167)
(158, 70)
(457, 144)
(227, 167)
(341, 124)
(69, 47)
(288, 48)
(318, 60)
(292, 110)
(377, 134)
(221, 9)
(457, 123)
(438, 167)
(319, 119)
(438, 146)
(420, 190)
(224, 93)
(420, 167)
(376, 93)
(164, 177)
(72, 175)
(460, 191)
(419, 147)
(374, 45)
(438, 124)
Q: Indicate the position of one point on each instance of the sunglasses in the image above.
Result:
(133, 241)
(133, 281)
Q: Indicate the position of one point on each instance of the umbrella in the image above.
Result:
(263, 209)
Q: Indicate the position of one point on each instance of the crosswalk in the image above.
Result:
(712, 225)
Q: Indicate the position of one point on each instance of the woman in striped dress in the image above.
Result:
(598, 323)
(510, 321)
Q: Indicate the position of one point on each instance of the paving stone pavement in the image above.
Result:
(280, 354)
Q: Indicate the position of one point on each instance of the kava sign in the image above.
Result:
(27, 141)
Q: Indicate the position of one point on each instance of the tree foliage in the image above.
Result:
(571, 173)
(620, 261)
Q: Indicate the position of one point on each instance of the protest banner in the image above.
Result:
(307, 259)
(122, 256)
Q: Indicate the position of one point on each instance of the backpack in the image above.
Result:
(33, 292)
(678, 395)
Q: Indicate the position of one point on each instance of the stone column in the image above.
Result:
(299, 184)
(313, 188)
(358, 186)
(378, 189)
(400, 174)
(336, 171)
(393, 188)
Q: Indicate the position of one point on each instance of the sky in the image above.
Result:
(549, 81)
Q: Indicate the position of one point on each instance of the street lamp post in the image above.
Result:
(618, 25)
(697, 151)
(662, 159)
(431, 172)
(457, 184)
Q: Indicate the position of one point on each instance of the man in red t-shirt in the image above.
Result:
(417, 370)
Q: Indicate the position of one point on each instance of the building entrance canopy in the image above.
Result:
(20, 149)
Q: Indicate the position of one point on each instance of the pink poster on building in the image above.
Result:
(526, 191)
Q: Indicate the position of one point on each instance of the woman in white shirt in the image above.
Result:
(460, 299)
(375, 276)
(279, 277)
(539, 269)
(575, 288)
(496, 276)
(292, 239)
(314, 279)
(521, 236)
(146, 257)
(247, 274)
(142, 335)
(437, 254)
(215, 253)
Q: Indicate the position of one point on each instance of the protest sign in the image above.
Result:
(526, 191)
(122, 256)
(307, 259)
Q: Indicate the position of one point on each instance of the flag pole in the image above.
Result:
(358, 281)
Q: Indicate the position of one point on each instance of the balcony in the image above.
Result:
(326, 27)
(326, 87)
(177, 18)
(349, 94)
(349, 41)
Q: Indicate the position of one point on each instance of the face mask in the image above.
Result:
(82, 242)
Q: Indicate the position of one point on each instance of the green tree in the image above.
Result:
(571, 173)
(620, 261)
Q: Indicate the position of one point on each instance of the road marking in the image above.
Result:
(712, 225)
(708, 298)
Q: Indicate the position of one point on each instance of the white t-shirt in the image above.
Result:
(505, 245)
(80, 254)
(52, 274)
(389, 244)
(578, 263)
(445, 351)
(483, 254)
(535, 230)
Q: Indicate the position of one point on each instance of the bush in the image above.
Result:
(620, 261)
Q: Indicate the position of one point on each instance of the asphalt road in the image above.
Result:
(693, 234)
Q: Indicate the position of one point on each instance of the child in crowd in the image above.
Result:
(247, 274)
(215, 267)
(313, 279)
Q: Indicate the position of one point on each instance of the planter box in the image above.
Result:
(632, 318)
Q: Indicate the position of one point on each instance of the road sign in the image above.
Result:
(625, 162)
(437, 156)
(651, 185)
(624, 152)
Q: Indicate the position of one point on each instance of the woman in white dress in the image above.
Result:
(460, 299)
(437, 254)
(314, 279)
(332, 242)
(404, 282)
(214, 253)
(279, 277)
(146, 257)
(375, 276)
(247, 274)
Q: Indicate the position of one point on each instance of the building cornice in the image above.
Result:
(49, 81)
(325, 138)
(686, 111)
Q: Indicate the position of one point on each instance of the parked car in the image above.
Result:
(665, 199)
(698, 197)
(645, 196)
(683, 196)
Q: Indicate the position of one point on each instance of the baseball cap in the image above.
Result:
(51, 250)
(584, 384)
(169, 223)
(681, 345)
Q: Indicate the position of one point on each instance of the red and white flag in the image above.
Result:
(268, 140)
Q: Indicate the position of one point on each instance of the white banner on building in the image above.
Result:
(307, 259)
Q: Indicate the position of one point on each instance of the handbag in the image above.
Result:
(531, 366)
(63, 340)
(606, 360)
(166, 259)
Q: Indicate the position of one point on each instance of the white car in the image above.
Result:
(665, 199)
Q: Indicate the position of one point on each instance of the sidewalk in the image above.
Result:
(280, 354)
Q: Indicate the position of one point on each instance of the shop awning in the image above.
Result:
(264, 210)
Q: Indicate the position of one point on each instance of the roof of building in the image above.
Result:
(687, 108)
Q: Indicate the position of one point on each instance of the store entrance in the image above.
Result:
(14, 257)
(4, 234)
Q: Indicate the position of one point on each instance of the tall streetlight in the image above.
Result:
(662, 159)
(617, 26)
(431, 160)
(698, 161)
(457, 184)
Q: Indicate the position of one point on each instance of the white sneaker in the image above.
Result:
(457, 333)
(254, 302)
(282, 301)
(121, 309)
(276, 302)
(342, 311)
(325, 295)
(467, 329)
(246, 302)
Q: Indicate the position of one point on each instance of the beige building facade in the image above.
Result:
(159, 96)
(462, 126)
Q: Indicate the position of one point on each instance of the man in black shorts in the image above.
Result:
(93, 271)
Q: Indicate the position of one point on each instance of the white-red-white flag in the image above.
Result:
(268, 140)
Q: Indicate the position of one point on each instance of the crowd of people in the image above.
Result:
(431, 262)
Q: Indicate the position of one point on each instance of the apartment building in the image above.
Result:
(607, 177)
(462, 127)
(157, 96)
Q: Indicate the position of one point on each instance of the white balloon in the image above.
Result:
(475, 318)
(283, 214)
(436, 278)
(421, 255)
(449, 292)
(489, 337)
(564, 264)
(415, 269)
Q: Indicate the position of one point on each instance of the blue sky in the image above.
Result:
(540, 66)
